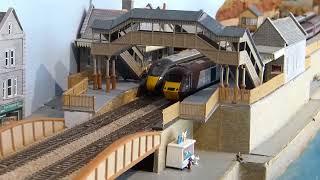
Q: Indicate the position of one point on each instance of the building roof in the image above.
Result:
(171, 15)
(5, 15)
(93, 14)
(2, 14)
(255, 10)
(289, 30)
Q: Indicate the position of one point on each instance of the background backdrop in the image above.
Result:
(51, 26)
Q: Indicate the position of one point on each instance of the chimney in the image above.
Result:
(127, 4)
(164, 6)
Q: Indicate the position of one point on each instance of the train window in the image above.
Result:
(173, 77)
(214, 74)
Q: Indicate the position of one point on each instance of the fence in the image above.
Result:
(20, 134)
(74, 100)
(244, 96)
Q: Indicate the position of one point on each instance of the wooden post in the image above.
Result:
(261, 75)
(227, 76)
(236, 88)
(221, 75)
(237, 77)
(108, 75)
(114, 77)
(1, 145)
(243, 85)
(12, 140)
(99, 73)
(95, 80)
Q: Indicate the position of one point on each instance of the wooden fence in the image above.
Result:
(244, 96)
(171, 113)
(73, 99)
(120, 156)
(308, 62)
(311, 48)
(78, 77)
(17, 135)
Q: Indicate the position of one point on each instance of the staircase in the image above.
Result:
(252, 71)
(136, 67)
(251, 57)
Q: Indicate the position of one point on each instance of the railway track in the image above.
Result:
(17, 160)
(78, 159)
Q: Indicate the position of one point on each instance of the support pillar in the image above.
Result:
(99, 74)
(221, 75)
(237, 77)
(243, 85)
(95, 79)
(261, 75)
(107, 75)
(227, 76)
(114, 77)
(236, 88)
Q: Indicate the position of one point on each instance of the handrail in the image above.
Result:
(93, 167)
(73, 99)
(79, 88)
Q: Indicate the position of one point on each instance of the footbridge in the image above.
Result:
(227, 46)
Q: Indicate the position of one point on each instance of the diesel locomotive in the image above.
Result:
(186, 78)
(159, 68)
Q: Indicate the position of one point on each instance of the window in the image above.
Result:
(10, 58)
(276, 69)
(7, 57)
(249, 21)
(9, 88)
(15, 86)
(10, 28)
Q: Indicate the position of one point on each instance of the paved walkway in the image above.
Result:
(212, 165)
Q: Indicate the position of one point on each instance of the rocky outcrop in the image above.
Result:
(232, 8)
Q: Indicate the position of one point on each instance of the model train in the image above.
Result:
(189, 77)
(159, 68)
(310, 23)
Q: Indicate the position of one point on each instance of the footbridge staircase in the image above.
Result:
(228, 46)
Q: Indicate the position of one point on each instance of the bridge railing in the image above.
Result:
(120, 156)
(19, 134)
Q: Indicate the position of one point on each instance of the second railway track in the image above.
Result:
(78, 159)
(37, 150)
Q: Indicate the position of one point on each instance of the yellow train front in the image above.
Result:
(158, 69)
(187, 78)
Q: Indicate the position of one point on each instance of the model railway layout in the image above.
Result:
(17, 160)
(75, 161)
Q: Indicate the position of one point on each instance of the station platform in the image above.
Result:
(201, 105)
(125, 92)
(103, 98)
